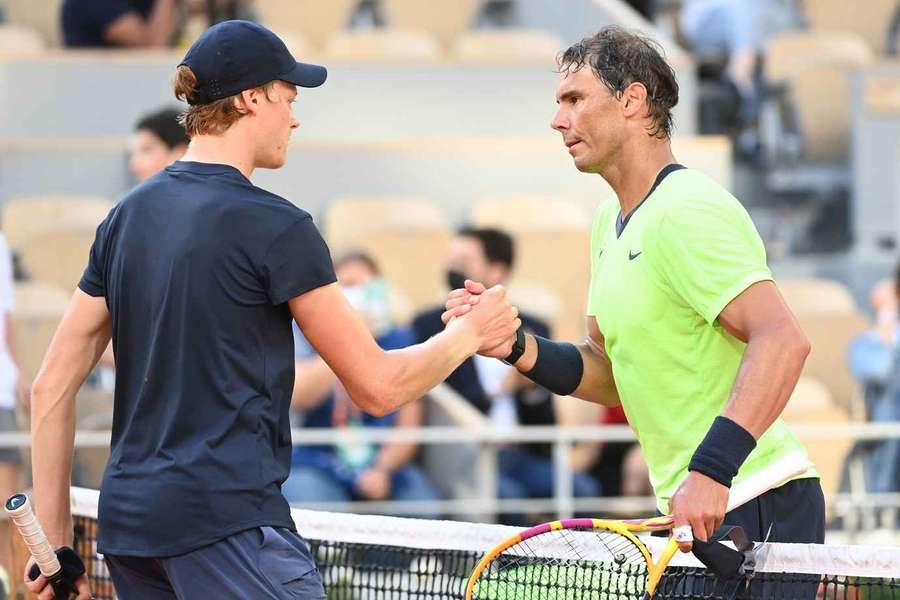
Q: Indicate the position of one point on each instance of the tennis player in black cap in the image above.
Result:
(196, 275)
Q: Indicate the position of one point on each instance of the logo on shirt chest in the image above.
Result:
(633, 255)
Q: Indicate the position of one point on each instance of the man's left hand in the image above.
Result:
(701, 503)
(374, 484)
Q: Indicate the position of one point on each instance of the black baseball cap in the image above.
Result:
(233, 56)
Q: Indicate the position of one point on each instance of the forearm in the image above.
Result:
(766, 379)
(161, 23)
(407, 374)
(393, 456)
(78, 343)
(595, 381)
(53, 432)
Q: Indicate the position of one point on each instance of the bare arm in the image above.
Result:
(597, 384)
(378, 381)
(132, 30)
(776, 351)
(79, 341)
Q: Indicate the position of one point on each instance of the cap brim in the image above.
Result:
(305, 75)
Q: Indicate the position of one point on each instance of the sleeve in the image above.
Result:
(297, 262)
(7, 302)
(710, 252)
(93, 281)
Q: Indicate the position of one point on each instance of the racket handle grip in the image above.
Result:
(20, 511)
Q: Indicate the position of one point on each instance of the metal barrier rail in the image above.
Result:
(488, 439)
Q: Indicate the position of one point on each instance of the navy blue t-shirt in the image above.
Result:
(85, 22)
(197, 265)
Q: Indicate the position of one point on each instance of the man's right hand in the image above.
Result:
(42, 589)
(492, 318)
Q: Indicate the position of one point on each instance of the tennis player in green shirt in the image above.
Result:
(685, 326)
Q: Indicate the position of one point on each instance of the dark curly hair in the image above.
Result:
(618, 58)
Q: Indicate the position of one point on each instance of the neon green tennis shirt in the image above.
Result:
(658, 284)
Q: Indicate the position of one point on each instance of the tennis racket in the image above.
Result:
(19, 509)
(597, 559)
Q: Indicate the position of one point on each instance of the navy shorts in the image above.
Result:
(266, 563)
(795, 512)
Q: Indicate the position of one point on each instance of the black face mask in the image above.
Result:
(455, 279)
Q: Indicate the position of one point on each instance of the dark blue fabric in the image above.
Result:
(84, 22)
(263, 563)
(196, 265)
(793, 513)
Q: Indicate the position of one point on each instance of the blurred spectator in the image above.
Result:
(875, 362)
(353, 471)
(871, 354)
(13, 388)
(620, 467)
(129, 23)
(158, 141)
(496, 389)
(736, 31)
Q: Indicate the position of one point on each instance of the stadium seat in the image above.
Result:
(821, 99)
(552, 249)
(789, 54)
(804, 120)
(523, 212)
(867, 18)
(382, 46)
(25, 216)
(829, 318)
(407, 237)
(17, 41)
(349, 217)
(314, 20)
(59, 255)
(815, 296)
(830, 336)
(507, 46)
(811, 404)
(443, 20)
(38, 310)
(41, 16)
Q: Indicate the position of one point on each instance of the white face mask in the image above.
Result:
(372, 301)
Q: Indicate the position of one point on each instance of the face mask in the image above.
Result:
(372, 301)
(455, 279)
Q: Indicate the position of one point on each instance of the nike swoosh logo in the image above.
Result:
(633, 255)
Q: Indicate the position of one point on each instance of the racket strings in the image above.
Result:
(574, 564)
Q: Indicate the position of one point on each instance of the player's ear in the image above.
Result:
(634, 99)
(247, 101)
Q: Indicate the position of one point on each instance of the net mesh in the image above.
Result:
(386, 558)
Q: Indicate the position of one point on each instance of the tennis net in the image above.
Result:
(364, 557)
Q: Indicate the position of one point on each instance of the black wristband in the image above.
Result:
(518, 348)
(558, 367)
(723, 451)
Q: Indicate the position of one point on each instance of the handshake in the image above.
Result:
(486, 315)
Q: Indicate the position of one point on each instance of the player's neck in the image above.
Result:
(635, 171)
(225, 149)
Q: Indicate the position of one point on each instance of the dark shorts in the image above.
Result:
(265, 563)
(9, 423)
(795, 512)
